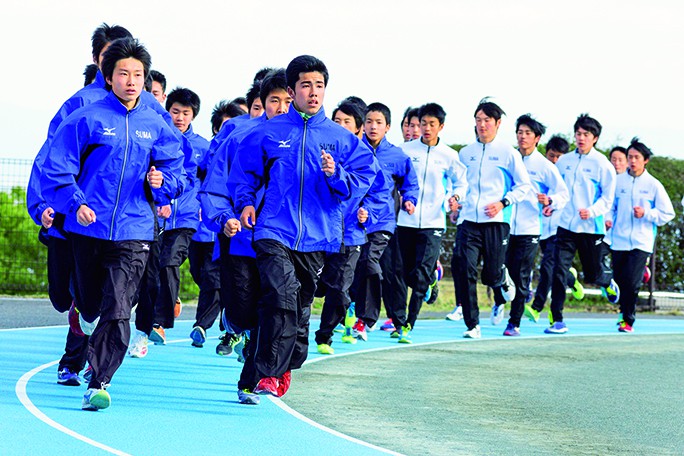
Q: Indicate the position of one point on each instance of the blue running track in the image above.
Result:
(183, 400)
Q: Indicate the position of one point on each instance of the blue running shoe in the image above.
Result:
(511, 331)
(68, 378)
(557, 328)
(198, 336)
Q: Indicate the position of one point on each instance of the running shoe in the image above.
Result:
(227, 343)
(511, 330)
(348, 337)
(387, 325)
(68, 378)
(372, 328)
(325, 349)
(625, 327)
(339, 328)
(177, 308)
(532, 314)
(359, 330)
(138, 347)
(508, 287)
(405, 335)
(267, 385)
(88, 373)
(96, 398)
(246, 396)
(577, 288)
(74, 321)
(158, 335)
(198, 336)
(86, 326)
(433, 292)
(473, 333)
(394, 334)
(456, 314)
(497, 315)
(558, 327)
(284, 383)
(612, 293)
(242, 347)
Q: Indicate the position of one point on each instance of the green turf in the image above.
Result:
(592, 395)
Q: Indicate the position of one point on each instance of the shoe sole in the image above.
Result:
(70, 382)
(138, 354)
(250, 400)
(156, 338)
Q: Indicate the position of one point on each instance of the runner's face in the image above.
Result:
(619, 161)
(182, 116)
(158, 92)
(553, 156)
(585, 140)
(405, 130)
(430, 128)
(486, 127)
(414, 128)
(637, 162)
(375, 127)
(277, 103)
(308, 93)
(127, 81)
(345, 121)
(257, 109)
(527, 141)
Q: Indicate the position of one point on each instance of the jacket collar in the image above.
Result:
(116, 104)
(296, 117)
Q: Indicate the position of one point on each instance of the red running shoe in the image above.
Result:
(267, 385)
(625, 327)
(74, 323)
(284, 383)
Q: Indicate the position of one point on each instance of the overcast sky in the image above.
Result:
(620, 61)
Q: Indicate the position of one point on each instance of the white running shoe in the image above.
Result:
(138, 347)
(497, 314)
(508, 287)
(473, 333)
(456, 314)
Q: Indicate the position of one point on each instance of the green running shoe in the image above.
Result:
(577, 288)
(405, 335)
(532, 314)
(348, 337)
(325, 349)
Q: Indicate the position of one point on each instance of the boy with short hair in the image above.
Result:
(441, 176)
(549, 194)
(399, 173)
(305, 158)
(590, 178)
(111, 222)
(496, 178)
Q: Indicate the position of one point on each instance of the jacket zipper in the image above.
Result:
(118, 191)
(631, 218)
(574, 180)
(479, 177)
(422, 192)
(301, 188)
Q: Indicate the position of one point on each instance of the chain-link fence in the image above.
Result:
(23, 258)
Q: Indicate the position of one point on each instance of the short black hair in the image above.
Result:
(104, 35)
(353, 110)
(357, 101)
(224, 109)
(537, 127)
(641, 148)
(620, 149)
(304, 64)
(406, 114)
(158, 77)
(432, 110)
(261, 74)
(274, 80)
(382, 109)
(490, 109)
(124, 48)
(90, 73)
(148, 83)
(253, 94)
(184, 97)
(589, 124)
(239, 100)
(558, 143)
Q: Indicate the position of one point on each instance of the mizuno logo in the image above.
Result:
(109, 131)
(145, 247)
(472, 159)
(284, 143)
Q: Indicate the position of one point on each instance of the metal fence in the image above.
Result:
(23, 258)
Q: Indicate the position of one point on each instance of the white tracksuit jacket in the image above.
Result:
(495, 171)
(629, 232)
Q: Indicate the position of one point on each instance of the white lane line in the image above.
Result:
(20, 390)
